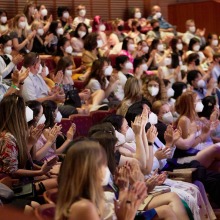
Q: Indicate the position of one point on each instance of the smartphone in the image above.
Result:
(52, 161)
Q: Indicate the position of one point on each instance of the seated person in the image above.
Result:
(216, 68)
(3, 23)
(64, 17)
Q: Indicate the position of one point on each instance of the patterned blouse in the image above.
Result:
(8, 153)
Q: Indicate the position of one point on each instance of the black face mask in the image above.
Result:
(156, 28)
(121, 27)
(197, 62)
(139, 28)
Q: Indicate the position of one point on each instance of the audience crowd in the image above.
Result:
(161, 88)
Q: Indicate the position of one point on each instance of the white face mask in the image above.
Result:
(4, 19)
(102, 27)
(120, 137)
(153, 90)
(69, 50)
(170, 92)
(192, 29)
(145, 49)
(179, 46)
(46, 71)
(167, 118)
(214, 43)
(81, 34)
(7, 50)
(158, 15)
(201, 83)
(22, 24)
(41, 120)
(108, 71)
(58, 117)
(130, 136)
(167, 61)
(160, 47)
(68, 72)
(137, 15)
(60, 31)
(40, 31)
(131, 47)
(99, 43)
(66, 15)
(82, 12)
(129, 66)
(199, 106)
(29, 114)
(44, 12)
(106, 177)
(144, 67)
(196, 47)
(153, 119)
(40, 69)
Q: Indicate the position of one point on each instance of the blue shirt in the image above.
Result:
(162, 22)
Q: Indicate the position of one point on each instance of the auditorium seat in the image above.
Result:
(50, 196)
(98, 116)
(45, 212)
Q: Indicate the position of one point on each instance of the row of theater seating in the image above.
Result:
(84, 122)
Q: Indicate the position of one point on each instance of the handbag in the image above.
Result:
(72, 98)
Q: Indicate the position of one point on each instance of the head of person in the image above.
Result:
(13, 120)
(216, 58)
(6, 44)
(104, 133)
(194, 44)
(51, 113)
(128, 44)
(155, 25)
(118, 24)
(190, 26)
(63, 13)
(169, 89)
(100, 71)
(65, 64)
(32, 61)
(140, 65)
(179, 88)
(176, 44)
(56, 28)
(38, 27)
(135, 26)
(133, 90)
(98, 24)
(81, 31)
(3, 17)
(193, 59)
(19, 22)
(188, 104)
(81, 10)
(123, 64)
(156, 44)
(162, 110)
(64, 47)
(194, 78)
(212, 40)
(137, 13)
(81, 176)
(43, 11)
(156, 11)
(90, 42)
(142, 46)
(209, 103)
(38, 116)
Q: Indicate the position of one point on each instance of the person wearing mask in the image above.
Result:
(81, 18)
(156, 14)
(192, 32)
(216, 68)
(34, 87)
(29, 12)
(3, 22)
(77, 41)
(22, 42)
(64, 17)
(7, 62)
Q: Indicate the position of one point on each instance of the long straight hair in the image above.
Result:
(80, 177)
(13, 120)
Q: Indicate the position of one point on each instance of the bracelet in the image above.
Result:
(15, 87)
(150, 143)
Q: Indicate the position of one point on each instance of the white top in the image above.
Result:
(216, 72)
(5, 70)
(34, 87)
(78, 20)
(119, 90)
(3, 90)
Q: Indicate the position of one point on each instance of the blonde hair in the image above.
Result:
(13, 120)
(15, 24)
(80, 177)
(157, 105)
(35, 25)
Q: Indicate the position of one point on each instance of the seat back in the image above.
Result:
(50, 196)
(45, 212)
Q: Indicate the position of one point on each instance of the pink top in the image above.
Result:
(126, 53)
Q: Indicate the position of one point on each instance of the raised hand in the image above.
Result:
(17, 59)
(71, 132)
(161, 154)
(152, 134)
(136, 125)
